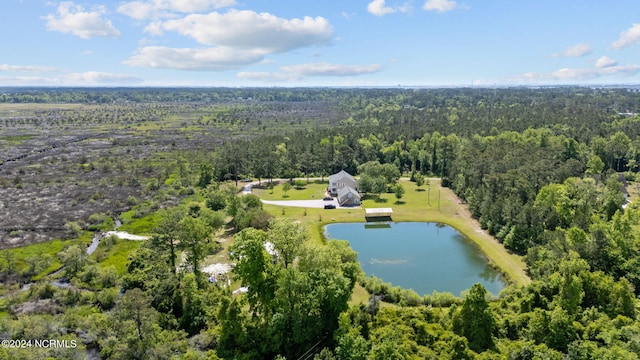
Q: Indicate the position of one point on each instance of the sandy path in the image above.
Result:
(489, 244)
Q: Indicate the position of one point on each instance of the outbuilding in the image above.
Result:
(378, 212)
(348, 196)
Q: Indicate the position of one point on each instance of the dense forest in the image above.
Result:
(549, 172)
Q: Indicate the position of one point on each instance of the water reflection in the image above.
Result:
(421, 256)
(377, 226)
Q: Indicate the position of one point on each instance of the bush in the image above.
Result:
(42, 291)
(299, 184)
(251, 201)
(216, 200)
(107, 298)
(72, 229)
(441, 299)
(256, 218)
(132, 201)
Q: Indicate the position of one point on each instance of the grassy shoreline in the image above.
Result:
(429, 203)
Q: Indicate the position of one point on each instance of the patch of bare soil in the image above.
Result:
(42, 306)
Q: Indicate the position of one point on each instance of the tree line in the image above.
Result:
(539, 168)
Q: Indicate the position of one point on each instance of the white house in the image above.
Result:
(340, 180)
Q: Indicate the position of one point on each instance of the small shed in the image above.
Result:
(378, 212)
(347, 196)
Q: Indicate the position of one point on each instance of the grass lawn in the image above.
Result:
(313, 190)
(429, 203)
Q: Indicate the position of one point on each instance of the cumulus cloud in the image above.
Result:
(27, 68)
(628, 38)
(440, 5)
(378, 8)
(570, 75)
(217, 59)
(141, 10)
(605, 62)
(298, 72)
(577, 50)
(620, 70)
(154, 28)
(250, 30)
(234, 39)
(573, 74)
(73, 19)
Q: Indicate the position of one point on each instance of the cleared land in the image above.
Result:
(428, 203)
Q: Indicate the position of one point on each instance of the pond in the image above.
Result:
(421, 256)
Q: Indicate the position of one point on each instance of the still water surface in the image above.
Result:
(421, 256)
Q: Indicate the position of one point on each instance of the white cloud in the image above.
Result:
(440, 5)
(217, 59)
(605, 62)
(620, 70)
(405, 8)
(573, 74)
(72, 79)
(628, 38)
(233, 40)
(328, 69)
(154, 28)
(250, 30)
(347, 15)
(72, 19)
(569, 75)
(27, 68)
(378, 8)
(96, 77)
(577, 50)
(267, 76)
(141, 10)
(298, 72)
(26, 80)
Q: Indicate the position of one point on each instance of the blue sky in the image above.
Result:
(319, 43)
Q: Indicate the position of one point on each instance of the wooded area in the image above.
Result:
(550, 172)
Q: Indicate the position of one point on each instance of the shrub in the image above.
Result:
(299, 184)
(132, 201)
(72, 229)
(107, 298)
(216, 200)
